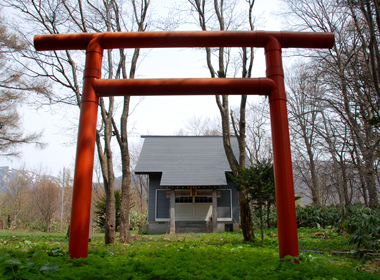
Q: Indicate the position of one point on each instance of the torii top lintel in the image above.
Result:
(183, 39)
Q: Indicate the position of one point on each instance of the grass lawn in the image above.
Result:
(27, 255)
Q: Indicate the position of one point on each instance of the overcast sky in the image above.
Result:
(153, 115)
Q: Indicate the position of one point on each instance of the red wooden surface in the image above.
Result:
(183, 39)
(272, 85)
(84, 161)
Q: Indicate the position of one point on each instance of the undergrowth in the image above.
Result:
(182, 256)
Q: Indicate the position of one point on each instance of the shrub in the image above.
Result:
(365, 223)
(137, 220)
(313, 216)
(272, 218)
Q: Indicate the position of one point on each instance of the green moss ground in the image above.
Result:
(26, 255)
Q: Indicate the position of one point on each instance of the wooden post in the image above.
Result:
(214, 210)
(84, 162)
(172, 210)
(282, 161)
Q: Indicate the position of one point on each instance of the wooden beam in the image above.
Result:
(172, 210)
(214, 210)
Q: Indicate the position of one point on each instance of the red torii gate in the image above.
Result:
(95, 87)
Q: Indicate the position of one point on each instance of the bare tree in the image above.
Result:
(67, 192)
(366, 17)
(201, 125)
(304, 109)
(46, 198)
(315, 131)
(140, 183)
(62, 68)
(258, 134)
(16, 195)
(140, 10)
(221, 15)
(350, 86)
(321, 143)
(15, 87)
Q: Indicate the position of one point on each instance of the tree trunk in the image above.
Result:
(126, 172)
(110, 223)
(109, 187)
(336, 168)
(343, 167)
(139, 16)
(261, 224)
(268, 216)
(314, 179)
(245, 212)
(106, 163)
(48, 225)
(219, 8)
(125, 206)
(358, 164)
(245, 218)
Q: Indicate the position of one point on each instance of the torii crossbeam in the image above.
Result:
(95, 87)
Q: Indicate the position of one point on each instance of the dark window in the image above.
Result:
(203, 199)
(224, 204)
(163, 204)
(197, 199)
(184, 199)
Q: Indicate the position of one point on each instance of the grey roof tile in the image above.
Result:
(186, 160)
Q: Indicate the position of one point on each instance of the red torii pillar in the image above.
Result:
(94, 87)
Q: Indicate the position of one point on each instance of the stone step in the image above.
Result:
(193, 226)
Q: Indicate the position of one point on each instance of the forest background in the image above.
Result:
(333, 95)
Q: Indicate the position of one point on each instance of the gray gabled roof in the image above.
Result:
(186, 160)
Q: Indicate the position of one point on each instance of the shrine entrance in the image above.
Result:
(94, 87)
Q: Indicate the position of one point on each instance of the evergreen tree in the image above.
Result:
(258, 182)
(100, 213)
